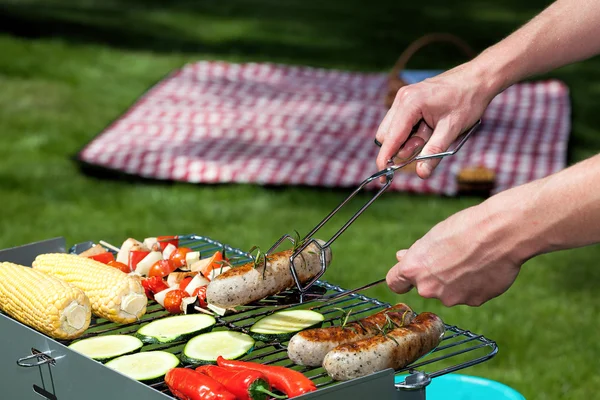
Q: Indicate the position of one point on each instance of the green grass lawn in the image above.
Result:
(69, 68)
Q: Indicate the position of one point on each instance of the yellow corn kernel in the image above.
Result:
(43, 302)
(113, 294)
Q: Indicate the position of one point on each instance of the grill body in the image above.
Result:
(33, 365)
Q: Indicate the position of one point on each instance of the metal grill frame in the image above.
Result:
(456, 343)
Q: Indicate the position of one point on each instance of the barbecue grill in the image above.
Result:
(34, 365)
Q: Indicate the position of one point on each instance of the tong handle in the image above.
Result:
(462, 141)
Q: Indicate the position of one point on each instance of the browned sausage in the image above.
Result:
(309, 347)
(397, 349)
(245, 284)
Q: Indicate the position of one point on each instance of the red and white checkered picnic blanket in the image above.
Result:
(212, 122)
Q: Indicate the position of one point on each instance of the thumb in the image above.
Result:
(395, 279)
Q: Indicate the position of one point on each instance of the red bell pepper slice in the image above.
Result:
(104, 258)
(153, 285)
(135, 256)
(164, 241)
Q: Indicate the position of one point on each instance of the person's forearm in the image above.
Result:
(561, 211)
(565, 32)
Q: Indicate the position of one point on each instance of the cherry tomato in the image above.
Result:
(153, 285)
(186, 281)
(173, 301)
(104, 258)
(201, 293)
(160, 268)
(120, 266)
(177, 258)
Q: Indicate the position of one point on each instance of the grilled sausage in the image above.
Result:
(309, 347)
(397, 349)
(245, 284)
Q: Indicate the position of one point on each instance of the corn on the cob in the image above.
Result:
(43, 302)
(113, 294)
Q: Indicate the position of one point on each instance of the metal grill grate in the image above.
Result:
(459, 348)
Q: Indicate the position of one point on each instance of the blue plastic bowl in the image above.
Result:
(465, 387)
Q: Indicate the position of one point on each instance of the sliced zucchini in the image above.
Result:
(205, 348)
(176, 328)
(282, 325)
(104, 348)
(147, 366)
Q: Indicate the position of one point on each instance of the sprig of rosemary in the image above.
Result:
(389, 325)
(344, 319)
(260, 258)
(223, 264)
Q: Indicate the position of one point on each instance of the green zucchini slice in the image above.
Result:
(146, 366)
(282, 325)
(205, 348)
(176, 328)
(104, 348)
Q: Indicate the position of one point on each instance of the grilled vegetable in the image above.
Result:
(146, 366)
(200, 294)
(255, 281)
(394, 349)
(126, 247)
(309, 347)
(175, 278)
(173, 300)
(113, 295)
(143, 266)
(168, 250)
(177, 258)
(161, 268)
(104, 258)
(244, 384)
(120, 266)
(205, 348)
(283, 325)
(185, 282)
(187, 384)
(135, 256)
(286, 380)
(160, 296)
(176, 328)
(43, 302)
(164, 241)
(94, 250)
(105, 348)
(207, 265)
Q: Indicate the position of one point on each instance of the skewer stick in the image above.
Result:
(110, 246)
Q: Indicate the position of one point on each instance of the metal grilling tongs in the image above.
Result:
(304, 295)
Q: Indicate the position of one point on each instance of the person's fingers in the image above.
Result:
(395, 280)
(400, 127)
(400, 254)
(443, 136)
(384, 127)
(414, 144)
(424, 131)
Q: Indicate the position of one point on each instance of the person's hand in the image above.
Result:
(445, 106)
(467, 259)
